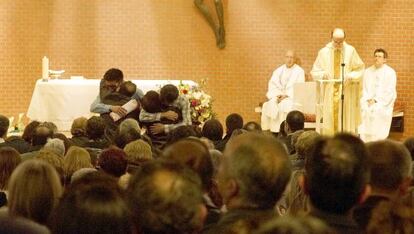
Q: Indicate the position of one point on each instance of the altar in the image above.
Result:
(62, 100)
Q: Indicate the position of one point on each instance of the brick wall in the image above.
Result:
(169, 39)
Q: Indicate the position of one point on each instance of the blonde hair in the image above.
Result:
(34, 190)
(76, 158)
(78, 126)
(138, 151)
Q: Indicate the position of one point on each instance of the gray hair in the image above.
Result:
(129, 124)
(55, 145)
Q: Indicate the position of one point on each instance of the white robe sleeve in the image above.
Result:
(318, 70)
(387, 92)
(356, 66)
(273, 88)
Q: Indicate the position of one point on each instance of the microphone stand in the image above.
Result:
(342, 92)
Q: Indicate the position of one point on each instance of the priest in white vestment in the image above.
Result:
(328, 67)
(280, 93)
(378, 97)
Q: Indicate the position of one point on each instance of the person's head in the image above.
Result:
(76, 158)
(4, 126)
(252, 126)
(67, 143)
(305, 142)
(282, 129)
(290, 58)
(34, 190)
(180, 133)
(9, 159)
(409, 143)
(53, 159)
(29, 131)
(294, 224)
(126, 136)
(168, 94)
(295, 120)
(113, 161)
(390, 167)
(253, 172)
(127, 88)
(56, 146)
(113, 78)
(380, 56)
(50, 125)
(166, 197)
(336, 173)
(137, 152)
(194, 154)
(91, 205)
(79, 127)
(95, 127)
(338, 37)
(40, 136)
(151, 102)
(233, 121)
(213, 130)
(127, 124)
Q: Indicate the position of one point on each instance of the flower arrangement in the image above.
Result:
(200, 102)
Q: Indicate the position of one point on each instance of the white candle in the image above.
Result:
(45, 68)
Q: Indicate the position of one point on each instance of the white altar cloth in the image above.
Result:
(61, 101)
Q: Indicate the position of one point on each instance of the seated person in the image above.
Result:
(151, 103)
(95, 131)
(110, 84)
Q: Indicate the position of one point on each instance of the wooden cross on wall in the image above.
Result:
(219, 31)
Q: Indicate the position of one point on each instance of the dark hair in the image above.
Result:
(94, 207)
(336, 173)
(114, 74)
(127, 88)
(194, 154)
(29, 131)
(380, 50)
(50, 125)
(168, 93)
(4, 125)
(390, 164)
(179, 133)
(113, 161)
(40, 136)
(165, 197)
(409, 143)
(213, 130)
(295, 121)
(260, 166)
(9, 159)
(282, 130)
(233, 121)
(151, 102)
(252, 127)
(95, 127)
(294, 224)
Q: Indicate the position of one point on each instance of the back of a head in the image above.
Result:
(55, 145)
(34, 189)
(91, 207)
(166, 197)
(79, 126)
(409, 143)
(51, 126)
(213, 130)
(126, 136)
(95, 127)
(151, 102)
(234, 121)
(9, 159)
(261, 167)
(129, 123)
(138, 152)
(127, 88)
(252, 127)
(40, 136)
(295, 121)
(29, 131)
(114, 74)
(305, 142)
(389, 163)
(76, 158)
(336, 173)
(295, 225)
(168, 93)
(180, 133)
(113, 161)
(4, 125)
(194, 154)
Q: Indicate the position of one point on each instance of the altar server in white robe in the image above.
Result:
(280, 93)
(378, 97)
(327, 66)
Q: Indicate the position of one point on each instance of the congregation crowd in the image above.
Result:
(151, 170)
